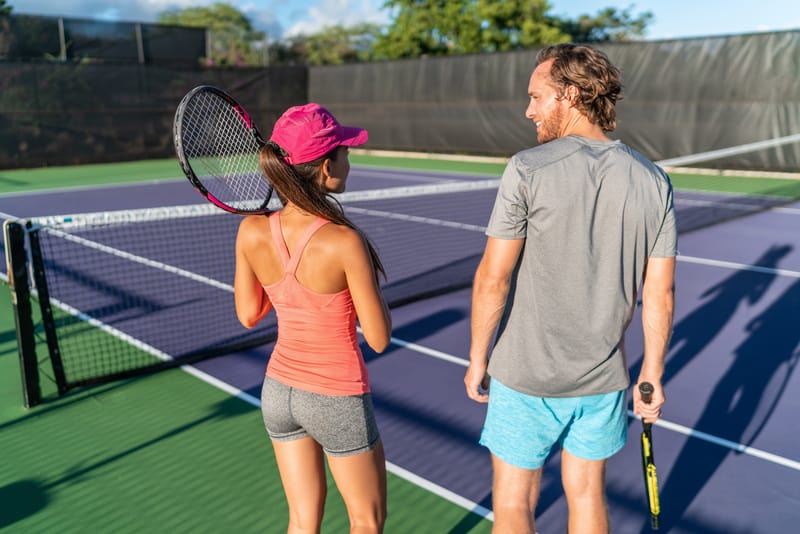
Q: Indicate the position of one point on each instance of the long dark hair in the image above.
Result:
(299, 184)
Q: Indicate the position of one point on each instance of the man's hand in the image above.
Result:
(650, 412)
(476, 380)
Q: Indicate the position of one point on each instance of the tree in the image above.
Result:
(231, 35)
(609, 25)
(5, 28)
(444, 27)
(418, 28)
(333, 45)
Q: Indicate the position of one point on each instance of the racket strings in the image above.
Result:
(223, 152)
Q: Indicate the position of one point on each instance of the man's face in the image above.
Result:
(547, 108)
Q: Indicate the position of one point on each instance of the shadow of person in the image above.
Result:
(21, 499)
(695, 331)
(764, 358)
(419, 329)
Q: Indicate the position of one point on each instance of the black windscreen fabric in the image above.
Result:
(73, 113)
(681, 97)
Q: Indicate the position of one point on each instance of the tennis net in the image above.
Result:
(129, 292)
(719, 194)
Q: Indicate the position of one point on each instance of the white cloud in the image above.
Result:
(130, 10)
(278, 18)
(338, 12)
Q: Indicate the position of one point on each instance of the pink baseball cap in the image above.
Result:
(309, 132)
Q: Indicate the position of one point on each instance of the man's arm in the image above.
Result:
(657, 309)
(489, 292)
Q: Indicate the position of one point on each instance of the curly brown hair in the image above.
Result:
(589, 70)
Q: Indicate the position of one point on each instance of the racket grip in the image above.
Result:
(654, 522)
(646, 389)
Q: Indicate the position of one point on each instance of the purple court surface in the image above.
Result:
(727, 448)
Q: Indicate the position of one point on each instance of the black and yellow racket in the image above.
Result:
(648, 462)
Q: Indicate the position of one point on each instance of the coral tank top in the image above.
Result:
(317, 348)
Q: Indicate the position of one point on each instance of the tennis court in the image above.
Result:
(184, 450)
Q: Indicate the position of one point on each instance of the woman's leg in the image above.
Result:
(302, 468)
(361, 479)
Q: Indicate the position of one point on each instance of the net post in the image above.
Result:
(48, 322)
(17, 268)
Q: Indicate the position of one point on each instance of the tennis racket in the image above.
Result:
(217, 144)
(648, 462)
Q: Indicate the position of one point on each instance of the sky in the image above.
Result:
(282, 18)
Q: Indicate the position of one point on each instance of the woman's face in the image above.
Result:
(336, 170)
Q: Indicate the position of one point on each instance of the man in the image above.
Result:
(580, 223)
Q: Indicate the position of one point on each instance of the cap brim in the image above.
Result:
(352, 136)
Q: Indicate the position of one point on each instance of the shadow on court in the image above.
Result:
(471, 520)
(737, 398)
(25, 498)
(696, 331)
(419, 328)
(739, 406)
(21, 499)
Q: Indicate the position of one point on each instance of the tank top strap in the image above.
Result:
(277, 238)
(318, 223)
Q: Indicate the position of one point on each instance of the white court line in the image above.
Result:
(475, 228)
(447, 494)
(738, 447)
(409, 175)
(739, 266)
(437, 490)
(736, 206)
(415, 479)
(90, 187)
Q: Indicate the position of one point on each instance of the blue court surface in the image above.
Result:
(727, 447)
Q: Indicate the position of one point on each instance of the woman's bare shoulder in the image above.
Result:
(341, 237)
(254, 227)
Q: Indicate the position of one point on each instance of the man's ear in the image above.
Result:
(571, 93)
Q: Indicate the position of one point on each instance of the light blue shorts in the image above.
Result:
(521, 429)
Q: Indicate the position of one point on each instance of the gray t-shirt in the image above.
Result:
(591, 213)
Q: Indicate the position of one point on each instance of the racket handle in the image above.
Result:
(646, 389)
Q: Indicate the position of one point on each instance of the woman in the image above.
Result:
(319, 272)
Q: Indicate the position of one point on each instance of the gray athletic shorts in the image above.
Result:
(341, 425)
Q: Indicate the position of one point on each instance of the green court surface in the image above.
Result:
(170, 452)
(19, 180)
(162, 453)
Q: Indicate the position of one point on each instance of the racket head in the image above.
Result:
(218, 144)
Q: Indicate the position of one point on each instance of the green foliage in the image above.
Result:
(443, 27)
(5, 28)
(231, 34)
(418, 28)
(334, 45)
(446, 27)
(610, 24)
